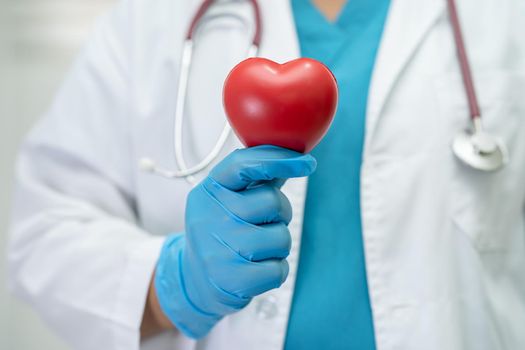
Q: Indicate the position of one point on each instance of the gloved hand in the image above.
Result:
(236, 239)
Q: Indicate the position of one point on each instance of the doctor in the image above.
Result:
(401, 245)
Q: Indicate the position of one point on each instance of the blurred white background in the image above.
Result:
(38, 41)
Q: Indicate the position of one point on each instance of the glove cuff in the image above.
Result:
(171, 292)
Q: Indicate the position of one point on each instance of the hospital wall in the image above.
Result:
(38, 41)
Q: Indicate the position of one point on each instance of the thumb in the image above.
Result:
(262, 163)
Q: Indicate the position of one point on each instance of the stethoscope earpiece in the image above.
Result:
(147, 165)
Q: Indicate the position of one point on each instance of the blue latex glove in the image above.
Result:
(236, 239)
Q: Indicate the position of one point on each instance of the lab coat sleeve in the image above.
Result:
(76, 252)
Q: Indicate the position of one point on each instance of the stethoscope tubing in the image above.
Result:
(179, 122)
(464, 62)
(186, 60)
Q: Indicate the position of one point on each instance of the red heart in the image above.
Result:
(289, 105)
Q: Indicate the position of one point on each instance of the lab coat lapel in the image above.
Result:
(408, 23)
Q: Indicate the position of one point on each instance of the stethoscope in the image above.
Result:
(472, 146)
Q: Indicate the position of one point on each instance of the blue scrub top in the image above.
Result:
(331, 307)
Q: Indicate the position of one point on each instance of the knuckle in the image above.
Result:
(286, 207)
(274, 278)
(280, 272)
(286, 240)
(283, 239)
(285, 268)
(275, 197)
(281, 204)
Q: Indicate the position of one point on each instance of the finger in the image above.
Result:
(257, 243)
(259, 205)
(254, 278)
(265, 276)
(262, 163)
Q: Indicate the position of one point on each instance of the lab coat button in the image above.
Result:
(266, 307)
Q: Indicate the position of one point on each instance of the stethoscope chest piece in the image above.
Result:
(480, 150)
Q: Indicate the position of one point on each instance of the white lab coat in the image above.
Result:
(444, 244)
